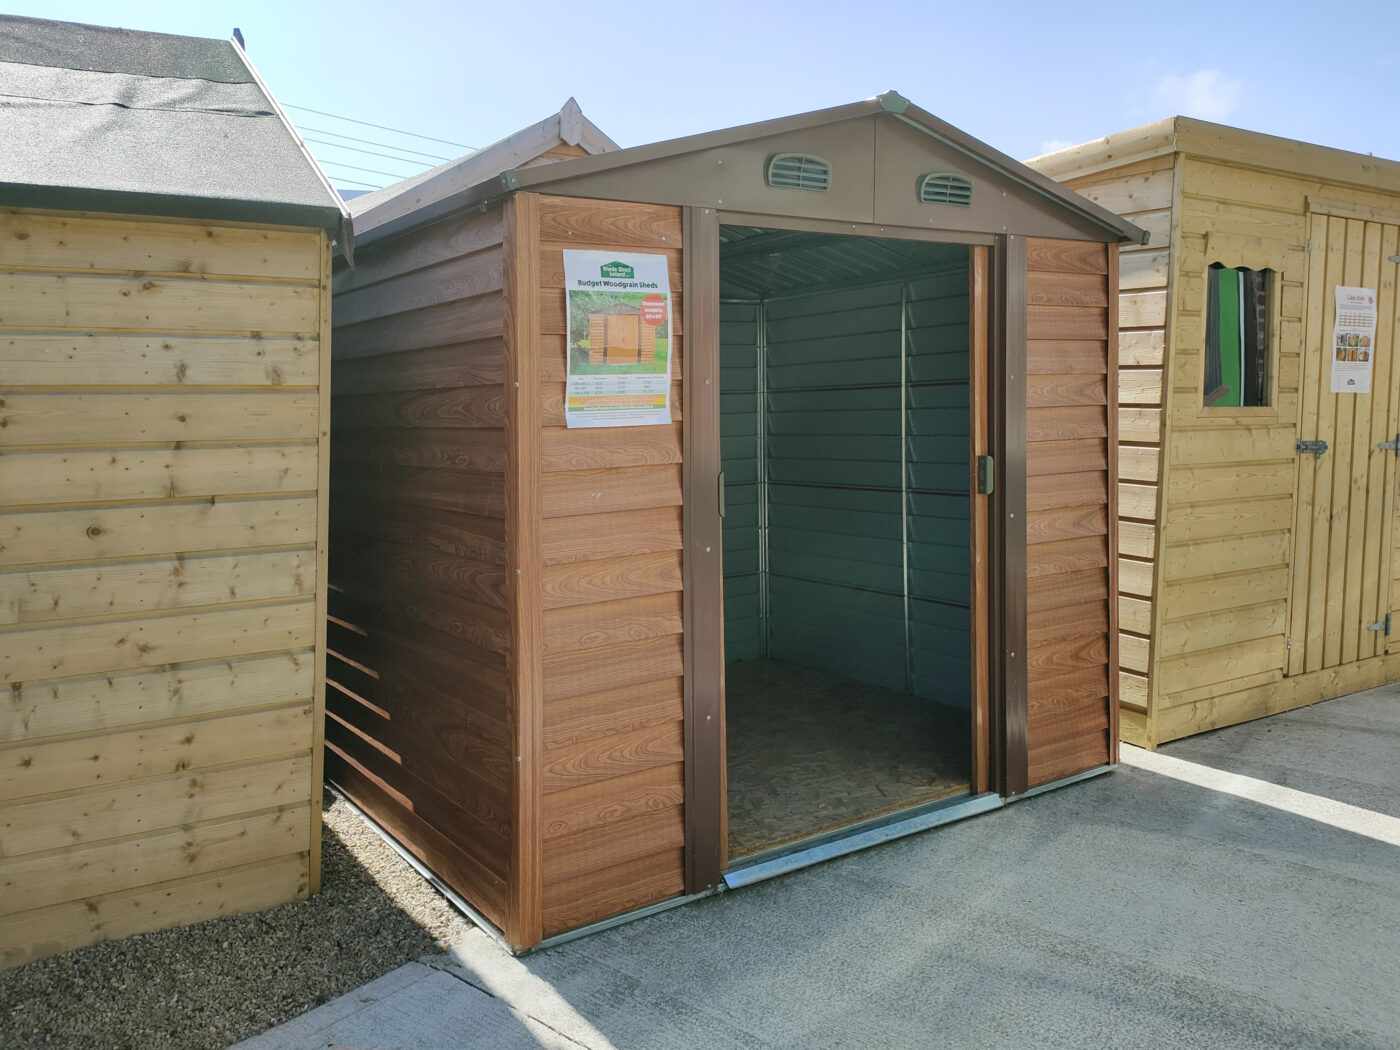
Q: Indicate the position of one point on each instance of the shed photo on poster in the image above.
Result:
(619, 327)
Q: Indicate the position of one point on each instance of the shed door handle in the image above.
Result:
(986, 475)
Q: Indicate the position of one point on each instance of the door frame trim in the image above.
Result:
(706, 824)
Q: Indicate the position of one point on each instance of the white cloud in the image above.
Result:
(1055, 145)
(1205, 94)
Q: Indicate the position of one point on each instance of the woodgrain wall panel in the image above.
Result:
(1143, 192)
(418, 731)
(163, 427)
(613, 744)
(1069, 546)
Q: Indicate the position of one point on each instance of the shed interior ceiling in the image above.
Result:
(769, 264)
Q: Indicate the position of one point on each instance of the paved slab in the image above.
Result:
(1236, 891)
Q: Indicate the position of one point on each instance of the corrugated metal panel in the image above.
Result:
(738, 343)
(866, 545)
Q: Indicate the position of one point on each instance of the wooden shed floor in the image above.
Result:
(810, 751)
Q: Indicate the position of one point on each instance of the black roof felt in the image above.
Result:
(115, 120)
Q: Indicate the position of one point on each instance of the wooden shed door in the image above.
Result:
(623, 338)
(1344, 521)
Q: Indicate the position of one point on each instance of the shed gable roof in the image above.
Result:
(148, 123)
(568, 127)
(879, 148)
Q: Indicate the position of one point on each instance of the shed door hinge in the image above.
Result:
(1380, 625)
(1392, 445)
(1288, 641)
(1311, 448)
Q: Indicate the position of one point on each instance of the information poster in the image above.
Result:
(619, 339)
(1353, 340)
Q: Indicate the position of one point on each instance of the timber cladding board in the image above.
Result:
(162, 514)
(1237, 550)
(611, 644)
(1068, 558)
(419, 725)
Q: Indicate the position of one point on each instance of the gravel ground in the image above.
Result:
(205, 986)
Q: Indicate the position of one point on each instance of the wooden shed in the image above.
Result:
(165, 251)
(616, 335)
(1257, 421)
(580, 671)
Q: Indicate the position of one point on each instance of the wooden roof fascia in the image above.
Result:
(1222, 144)
(1255, 149)
(1110, 152)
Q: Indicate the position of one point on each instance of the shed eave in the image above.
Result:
(1109, 152)
(169, 205)
(344, 230)
(1255, 149)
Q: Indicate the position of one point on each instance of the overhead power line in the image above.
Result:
(356, 167)
(381, 127)
(372, 142)
(372, 153)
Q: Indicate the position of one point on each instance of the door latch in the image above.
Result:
(1391, 446)
(1312, 448)
(986, 475)
(1380, 625)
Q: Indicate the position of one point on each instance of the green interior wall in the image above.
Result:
(844, 426)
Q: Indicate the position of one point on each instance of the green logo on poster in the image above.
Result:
(618, 270)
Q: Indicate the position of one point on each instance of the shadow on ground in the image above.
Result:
(213, 983)
(1131, 910)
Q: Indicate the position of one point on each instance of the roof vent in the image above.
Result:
(943, 187)
(798, 171)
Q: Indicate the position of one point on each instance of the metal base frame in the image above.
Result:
(857, 837)
(453, 897)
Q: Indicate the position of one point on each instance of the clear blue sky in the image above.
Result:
(1023, 77)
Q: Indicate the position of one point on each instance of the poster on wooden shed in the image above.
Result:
(1353, 338)
(619, 312)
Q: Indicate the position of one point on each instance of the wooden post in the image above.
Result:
(323, 501)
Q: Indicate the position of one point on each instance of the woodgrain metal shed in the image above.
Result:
(1257, 502)
(164, 316)
(857, 586)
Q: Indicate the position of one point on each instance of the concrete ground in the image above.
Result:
(1236, 890)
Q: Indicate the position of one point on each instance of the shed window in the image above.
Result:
(1237, 336)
